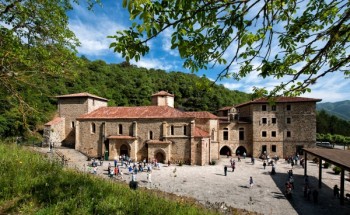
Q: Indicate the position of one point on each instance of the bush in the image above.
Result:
(326, 165)
(336, 170)
(212, 162)
(180, 163)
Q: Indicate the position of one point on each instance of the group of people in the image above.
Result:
(133, 168)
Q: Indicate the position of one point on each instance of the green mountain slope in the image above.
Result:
(340, 109)
(123, 84)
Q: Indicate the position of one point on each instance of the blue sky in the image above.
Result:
(93, 27)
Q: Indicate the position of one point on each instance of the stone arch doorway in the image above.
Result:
(160, 156)
(124, 150)
(240, 150)
(225, 151)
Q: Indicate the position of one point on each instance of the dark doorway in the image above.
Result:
(225, 151)
(264, 149)
(160, 157)
(300, 150)
(107, 147)
(240, 150)
(124, 150)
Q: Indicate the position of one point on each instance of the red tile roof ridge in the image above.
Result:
(84, 94)
(202, 114)
(198, 132)
(54, 121)
(139, 112)
(162, 93)
(280, 99)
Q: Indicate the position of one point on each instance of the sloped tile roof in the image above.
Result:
(81, 95)
(55, 121)
(202, 115)
(200, 133)
(142, 112)
(162, 93)
(225, 108)
(279, 100)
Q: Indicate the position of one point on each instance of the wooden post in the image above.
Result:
(342, 187)
(305, 164)
(320, 173)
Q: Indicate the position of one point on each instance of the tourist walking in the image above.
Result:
(336, 191)
(244, 155)
(251, 182)
(149, 178)
(264, 164)
(225, 170)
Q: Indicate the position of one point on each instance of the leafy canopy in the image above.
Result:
(35, 44)
(298, 39)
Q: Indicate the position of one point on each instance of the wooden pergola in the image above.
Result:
(337, 157)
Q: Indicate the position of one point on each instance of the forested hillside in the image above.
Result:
(330, 124)
(340, 109)
(123, 84)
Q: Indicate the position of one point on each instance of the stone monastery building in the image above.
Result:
(165, 133)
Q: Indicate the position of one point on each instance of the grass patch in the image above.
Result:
(31, 183)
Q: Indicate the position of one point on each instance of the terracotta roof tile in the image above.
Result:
(280, 100)
(55, 121)
(200, 133)
(202, 115)
(162, 93)
(142, 112)
(81, 95)
(120, 137)
(225, 108)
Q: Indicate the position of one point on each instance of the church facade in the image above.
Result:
(165, 133)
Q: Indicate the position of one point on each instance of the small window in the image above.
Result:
(273, 148)
(93, 128)
(289, 134)
(72, 124)
(289, 107)
(263, 134)
(289, 120)
(225, 134)
(241, 133)
(151, 135)
(264, 120)
(120, 129)
(185, 129)
(172, 130)
(273, 108)
(263, 107)
(274, 120)
(273, 133)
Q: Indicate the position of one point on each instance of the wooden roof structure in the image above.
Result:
(338, 157)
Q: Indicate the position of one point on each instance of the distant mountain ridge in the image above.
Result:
(340, 109)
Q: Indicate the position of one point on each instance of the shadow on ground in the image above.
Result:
(326, 204)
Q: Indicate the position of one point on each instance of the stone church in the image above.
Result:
(160, 131)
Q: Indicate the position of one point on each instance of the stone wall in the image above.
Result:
(54, 134)
(71, 108)
(299, 123)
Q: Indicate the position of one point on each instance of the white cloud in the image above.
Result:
(92, 30)
(150, 63)
(166, 42)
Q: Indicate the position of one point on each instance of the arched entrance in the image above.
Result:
(225, 151)
(240, 150)
(160, 157)
(124, 150)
